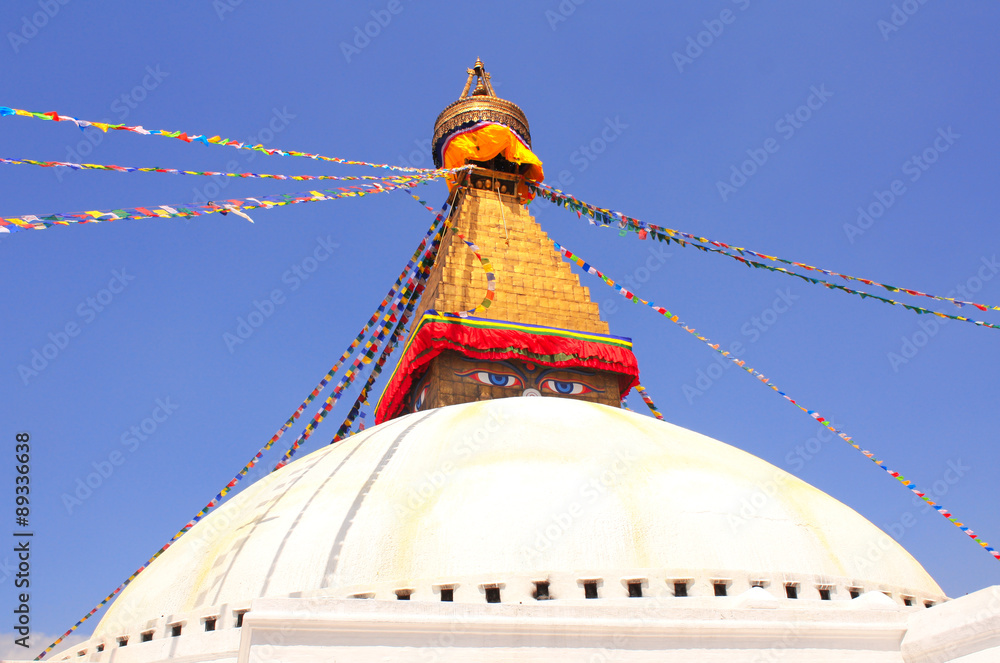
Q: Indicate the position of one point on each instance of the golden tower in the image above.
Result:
(541, 335)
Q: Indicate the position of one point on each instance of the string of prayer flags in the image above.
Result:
(491, 279)
(764, 380)
(207, 173)
(416, 278)
(606, 217)
(426, 267)
(435, 230)
(388, 302)
(649, 402)
(425, 270)
(235, 205)
(346, 380)
(345, 428)
(198, 138)
(836, 286)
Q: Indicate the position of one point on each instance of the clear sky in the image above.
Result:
(642, 107)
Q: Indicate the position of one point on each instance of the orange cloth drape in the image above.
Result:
(482, 142)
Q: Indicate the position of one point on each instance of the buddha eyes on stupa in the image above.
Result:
(492, 379)
(566, 388)
(502, 379)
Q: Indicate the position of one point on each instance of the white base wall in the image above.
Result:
(750, 628)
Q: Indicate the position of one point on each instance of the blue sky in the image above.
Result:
(627, 110)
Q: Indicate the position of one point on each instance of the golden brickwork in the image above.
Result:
(533, 284)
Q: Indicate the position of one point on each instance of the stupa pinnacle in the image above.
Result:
(541, 334)
(483, 105)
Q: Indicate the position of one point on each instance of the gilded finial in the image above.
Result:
(483, 87)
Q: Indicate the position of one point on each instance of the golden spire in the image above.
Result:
(540, 333)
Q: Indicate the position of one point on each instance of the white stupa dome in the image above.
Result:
(507, 493)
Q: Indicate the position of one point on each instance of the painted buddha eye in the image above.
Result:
(566, 388)
(492, 379)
